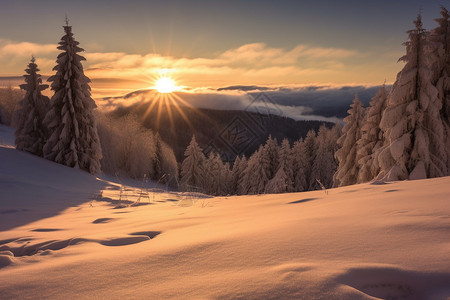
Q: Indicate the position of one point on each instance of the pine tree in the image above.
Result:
(324, 165)
(372, 138)
(310, 147)
(157, 161)
(193, 166)
(271, 151)
(348, 169)
(412, 110)
(215, 173)
(285, 162)
(30, 133)
(256, 175)
(282, 180)
(227, 180)
(235, 175)
(74, 140)
(440, 38)
(299, 165)
(239, 174)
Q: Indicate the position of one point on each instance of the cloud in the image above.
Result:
(310, 102)
(249, 64)
(321, 52)
(26, 48)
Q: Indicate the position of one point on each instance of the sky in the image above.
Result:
(213, 44)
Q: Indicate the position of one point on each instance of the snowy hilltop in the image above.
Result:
(63, 235)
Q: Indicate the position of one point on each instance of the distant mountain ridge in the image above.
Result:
(227, 132)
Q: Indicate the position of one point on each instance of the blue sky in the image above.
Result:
(337, 42)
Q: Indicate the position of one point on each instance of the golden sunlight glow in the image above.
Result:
(165, 85)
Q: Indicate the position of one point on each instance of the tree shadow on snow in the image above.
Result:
(33, 188)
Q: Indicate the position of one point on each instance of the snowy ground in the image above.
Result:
(62, 236)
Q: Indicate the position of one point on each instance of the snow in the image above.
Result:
(61, 238)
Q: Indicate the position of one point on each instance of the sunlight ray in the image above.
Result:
(150, 107)
(169, 112)
(178, 98)
(158, 114)
(181, 112)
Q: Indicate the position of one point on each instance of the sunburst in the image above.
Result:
(165, 85)
(167, 97)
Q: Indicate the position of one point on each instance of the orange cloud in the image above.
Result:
(254, 63)
(26, 48)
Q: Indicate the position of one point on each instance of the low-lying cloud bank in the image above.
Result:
(313, 102)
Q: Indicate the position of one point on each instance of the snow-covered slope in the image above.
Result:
(389, 241)
(33, 188)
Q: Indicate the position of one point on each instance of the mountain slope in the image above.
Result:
(227, 132)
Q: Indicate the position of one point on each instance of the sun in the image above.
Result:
(165, 85)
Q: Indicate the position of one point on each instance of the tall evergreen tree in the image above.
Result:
(239, 175)
(282, 181)
(30, 133)
(440, 38)
(157, 160)
(271, 151)
(372, 138)
(348, 169)
(227, 180)
(215, 177)
(74, 140)
(411, 117)
(193, 166)
(299, 166)
(310, 148)
(324, 165)
(256, 175)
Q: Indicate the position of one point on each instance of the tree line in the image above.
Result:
(274, 168)
(403, 134)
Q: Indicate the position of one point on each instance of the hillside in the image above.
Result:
(63, 236)
(229, 132)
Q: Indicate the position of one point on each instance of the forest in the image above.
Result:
(403, 134)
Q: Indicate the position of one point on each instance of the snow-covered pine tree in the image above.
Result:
(157, 160)
(256, 175)
(30, 133)
(310, 147)
(348, 169)
(235, 173)
(282, 181)
(372, 138)
(227, 180)
(324, 165)
(193, 167)
(440, 38)
(214, 177)
(299, 165)
(74, 139)
(271, 150)
(410, 112)
(285, 161)
(238, 175)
